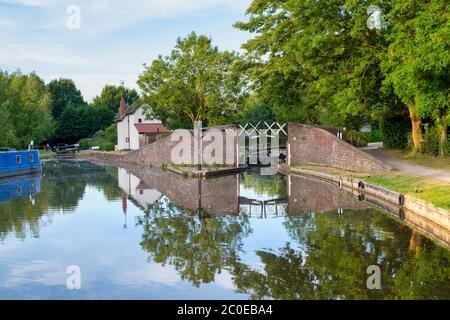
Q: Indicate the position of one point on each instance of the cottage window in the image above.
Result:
(140, 120)
(141, 192)
(127, 139)
(19, 190)
(19, 159)
(30, 158)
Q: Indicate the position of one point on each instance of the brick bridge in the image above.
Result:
(305, 145)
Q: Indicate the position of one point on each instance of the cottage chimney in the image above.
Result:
(122, 107)
(124, 202)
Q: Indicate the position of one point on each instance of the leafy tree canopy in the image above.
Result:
(417, 60)
(25, 110)
(76, 123)
(110, 97)
(64, 92)
(194, 83)
(315, 62)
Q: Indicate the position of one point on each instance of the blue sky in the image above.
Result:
(114, 39)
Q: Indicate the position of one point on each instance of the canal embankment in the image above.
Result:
(177, 153)
(363, 188)
(188, 171)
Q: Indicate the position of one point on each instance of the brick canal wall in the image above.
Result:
(160, 152)
(313, 145)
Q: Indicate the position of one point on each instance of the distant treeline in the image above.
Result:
(33, 111)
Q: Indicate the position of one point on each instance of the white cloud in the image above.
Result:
(34, 3)
(13, 53)
(141, 276)
(6, 23)
(34, 37)
(100, 16)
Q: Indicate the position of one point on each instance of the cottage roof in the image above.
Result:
(151, 128)
(128, 111)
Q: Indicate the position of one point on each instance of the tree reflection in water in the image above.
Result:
(331, 255)
(326, 256)
(197, 247)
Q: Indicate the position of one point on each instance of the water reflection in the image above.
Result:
(240, 236)
(26, 204)
(334, 267)
(21, 186)
(333, 236)
(198, 248)
(19, 206)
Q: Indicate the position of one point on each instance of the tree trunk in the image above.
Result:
(416, 130)
(443, 135)
(415, 243)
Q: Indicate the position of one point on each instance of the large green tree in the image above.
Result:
(321, 62)
(195, 82)
(110, 97)
(8, 137)
(417, 60)
(314, 61)
(63, 93)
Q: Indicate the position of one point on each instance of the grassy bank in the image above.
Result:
(46, 154)
(434, 191)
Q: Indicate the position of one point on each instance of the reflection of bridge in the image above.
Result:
(263, 208)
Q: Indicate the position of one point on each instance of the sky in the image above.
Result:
(98, 42)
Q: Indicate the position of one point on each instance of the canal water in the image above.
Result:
(139, 233)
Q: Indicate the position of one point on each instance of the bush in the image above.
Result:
(373, 136)
(104, 139)
(356, 138)
(85, 143)
(396, 130)
(431, 142)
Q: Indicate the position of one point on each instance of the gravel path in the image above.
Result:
(408, 167)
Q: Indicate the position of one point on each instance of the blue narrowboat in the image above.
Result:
(16, 187)
(14, 163)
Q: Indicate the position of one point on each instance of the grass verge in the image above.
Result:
(46, 154)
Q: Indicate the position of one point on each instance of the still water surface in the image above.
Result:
(147, 234)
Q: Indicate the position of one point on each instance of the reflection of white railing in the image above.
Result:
(263, 209)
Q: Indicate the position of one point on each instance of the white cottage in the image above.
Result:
(134, 130)
(137, 191)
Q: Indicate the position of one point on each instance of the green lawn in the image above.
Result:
(434, 191)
